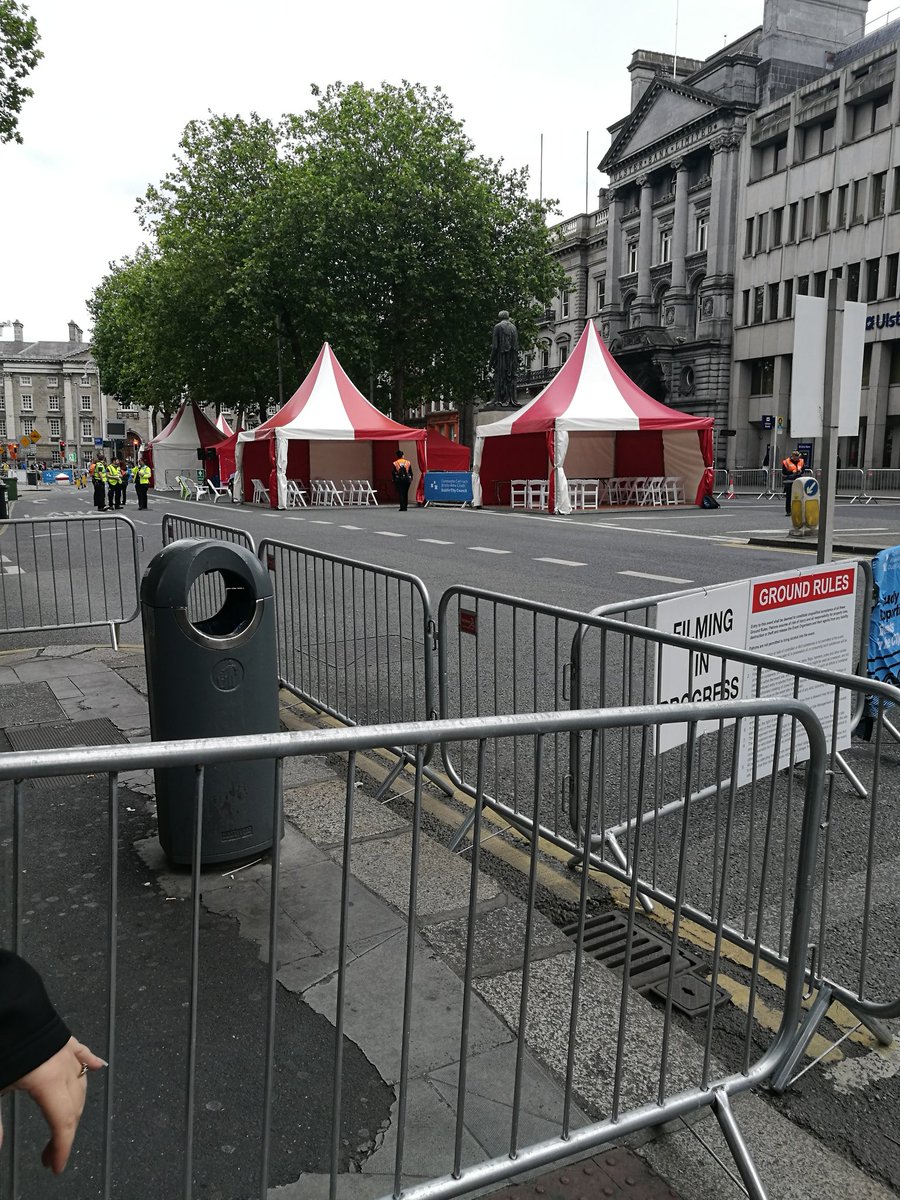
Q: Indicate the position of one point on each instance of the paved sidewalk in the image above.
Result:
(86, 683)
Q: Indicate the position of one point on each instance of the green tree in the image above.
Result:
(19, 56)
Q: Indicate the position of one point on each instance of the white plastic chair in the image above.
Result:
(183, 487)
(590, 493)
(673, 490)
(537, 493)
(518, 493)
(296, 494)
(367, 494)
(653, 490)
(260, 493)
(217, 491)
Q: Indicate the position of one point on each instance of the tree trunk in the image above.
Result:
(289, 331)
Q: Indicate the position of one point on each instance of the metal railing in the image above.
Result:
(68, 573)
(766, 483)
(646, 1073)
(355, 640)
(175, 527)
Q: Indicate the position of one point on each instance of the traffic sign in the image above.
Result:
(98, 442)
(781, 422)
(767, 422)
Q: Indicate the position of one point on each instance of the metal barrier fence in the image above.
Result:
(647, 1072)
(68, 573)
(355, 640)
(752, 481)
(766, 482)
(175, 527)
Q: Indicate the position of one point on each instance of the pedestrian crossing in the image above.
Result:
(8, 567)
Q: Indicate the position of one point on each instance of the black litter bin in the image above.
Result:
(32, 478)
(208, 612)
(4, 510)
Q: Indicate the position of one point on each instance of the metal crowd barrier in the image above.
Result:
(68, 573)
(175, 527)
(355, 641)
(649, 1072)
(766, 482)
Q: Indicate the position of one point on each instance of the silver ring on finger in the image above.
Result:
(84, 1070)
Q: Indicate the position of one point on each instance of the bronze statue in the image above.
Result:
(505, 361)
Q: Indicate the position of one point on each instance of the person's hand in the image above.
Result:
(58, 1087)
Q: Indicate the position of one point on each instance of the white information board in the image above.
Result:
(804, 615)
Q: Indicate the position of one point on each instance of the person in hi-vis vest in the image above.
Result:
(401, 472)
(791, 467)
(141, 476)
(98, 475)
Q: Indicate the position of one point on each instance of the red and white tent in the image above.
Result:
(327, 430)
(590, 421)
(174, 449)
(223, 426)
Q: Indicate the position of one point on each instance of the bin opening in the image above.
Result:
(220, 604)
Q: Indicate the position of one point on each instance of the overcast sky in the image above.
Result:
(119, 81)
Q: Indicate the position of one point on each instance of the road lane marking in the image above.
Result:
(488, 550)
(387, 533)
(661, 578)
(295, 518)
(355, 527)
(313, 521)
(561, 562)
(436, 541)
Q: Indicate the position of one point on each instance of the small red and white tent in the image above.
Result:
(327, 430)
(174, 449)
(591, 421)
(223, 426)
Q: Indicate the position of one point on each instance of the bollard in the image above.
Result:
(211, 676)
(4, 510)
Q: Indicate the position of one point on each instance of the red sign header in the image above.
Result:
(802, 589)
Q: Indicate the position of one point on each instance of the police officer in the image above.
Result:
(114, 484)
(98, 474)
(141, 476)
(791, 467)
(401, 472)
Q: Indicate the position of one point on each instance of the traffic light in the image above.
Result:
(62, 443)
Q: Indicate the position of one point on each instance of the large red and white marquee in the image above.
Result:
(327, 430)
(590, 421)
(174, 450)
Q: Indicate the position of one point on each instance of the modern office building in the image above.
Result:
(654, 265)
(820, 171)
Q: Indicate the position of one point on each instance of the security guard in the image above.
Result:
(114, 484)
(141, 477)
(401, 471)
(791, 467)
(98, 474)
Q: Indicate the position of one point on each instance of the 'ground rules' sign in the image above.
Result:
(803, 616)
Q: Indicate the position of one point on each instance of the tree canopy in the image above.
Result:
(19, 56)
(368, 221)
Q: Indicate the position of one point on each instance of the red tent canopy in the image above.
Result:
(446, 455)
(327, 430)
(174, 449)
(593, 415)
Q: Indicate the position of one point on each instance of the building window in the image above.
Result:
(632, 257)
(819, 283)
(87, 431)
(758, 301)
(55, 427)
(52, 381)
(27, 402)
(867, 364)
(563, 308)
(746, 308)
(85, 381)
(53, 403)
(773, 301)
(841, 219)
(601, 292)
(872, 269)
(806, 224)
(748, 236)
(817, 139)
(702, 232)
(853, 281)
(857, 209)
(803, 285)
(895, 202)
(24, 381)
(824, 211)
(545, 357)
(870, 116)
(2, 426)
(792, 222)
(761, 224)
(86, 400)
(28, 425)
(56, 458)
(665, 245)
(762, 376)
(895, 363)
(879, 187)
(563, 352)
(788, 297)
(893, 268)
(777, 222)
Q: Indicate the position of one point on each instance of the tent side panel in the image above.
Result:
(684, 458)
(640, 452)
(298, 460)
(340, 459)
(446, 455)
(519, 456)
(383, 454)
(591, 455)
(259, 463)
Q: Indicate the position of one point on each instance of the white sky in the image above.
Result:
(119, 81)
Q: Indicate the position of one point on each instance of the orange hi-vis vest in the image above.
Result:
(403, 467)
(793, 468)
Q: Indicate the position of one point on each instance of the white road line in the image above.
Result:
(661, 578)
(437, 541)
(11, 570)
(488, 550)
(354, 527)
(295, 518)
(561, 562)
(313, 521)
(387, 533)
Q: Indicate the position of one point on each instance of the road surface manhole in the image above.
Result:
(99, 731)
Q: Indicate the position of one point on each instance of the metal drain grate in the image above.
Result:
(99, 731)
(606, 939)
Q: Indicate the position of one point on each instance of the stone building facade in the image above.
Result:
(654, 265)
(821, 198)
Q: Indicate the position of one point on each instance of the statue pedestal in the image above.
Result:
(492, 413)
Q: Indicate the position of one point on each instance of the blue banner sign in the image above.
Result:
(51, 475)
(448, 487)
(884, 627)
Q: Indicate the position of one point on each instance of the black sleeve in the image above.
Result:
(30, 1029)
